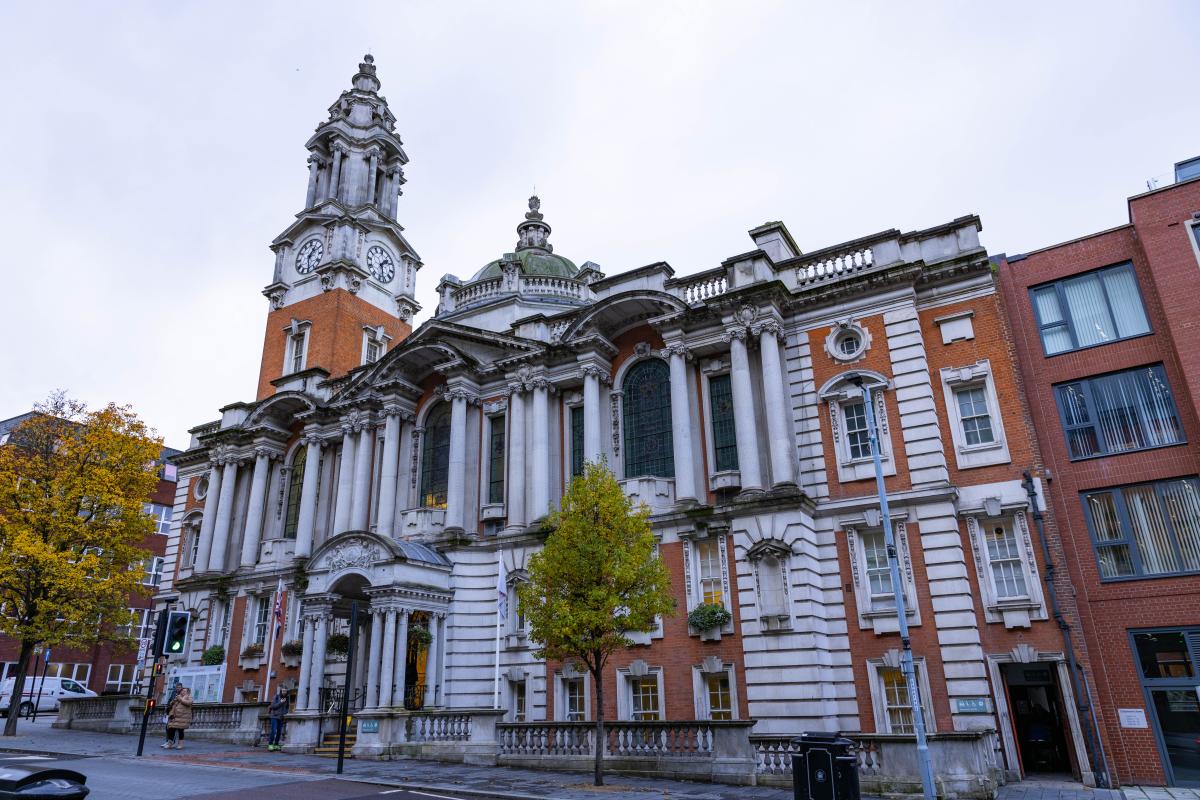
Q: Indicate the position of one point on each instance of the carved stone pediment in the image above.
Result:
(358, 551)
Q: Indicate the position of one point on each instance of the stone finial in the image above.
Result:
(365, 78)
(534, 232)
(535, 206)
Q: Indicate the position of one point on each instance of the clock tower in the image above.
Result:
(345, 276)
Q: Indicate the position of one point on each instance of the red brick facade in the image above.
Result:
(1159, 243)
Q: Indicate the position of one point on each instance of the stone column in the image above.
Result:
(681, 425)
(456, 481)
(209, 520)
(314, 171)
(591, 412)
(220, 537)
(775, 398)
(372, 169)
(257, 505)
(431, 663)
(360, 665)
(387, 671)
(360, 504)
(401, 658)
(306, 522)
(388, 472)
(345, 482)
(515, 482)
(335, 173)
(743, 411)
(308, 638)
(539, 477)
(408, 469)
(374, 658)
(317, 670)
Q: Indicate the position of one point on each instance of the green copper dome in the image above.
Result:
(534, 252)
(533, 262)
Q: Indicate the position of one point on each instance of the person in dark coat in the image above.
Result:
(276, 712)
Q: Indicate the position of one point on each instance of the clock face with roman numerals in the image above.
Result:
(309, 256)
(380, 264)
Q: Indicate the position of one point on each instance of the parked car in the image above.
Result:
(51, 692)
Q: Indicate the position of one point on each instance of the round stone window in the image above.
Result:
(201, 489)
(848, 341)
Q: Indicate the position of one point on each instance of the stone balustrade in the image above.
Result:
(422, 522)
(475, 292)
(686, 749)
(544, 285)
(238, 723)
(832, 266)
(966, 764)
(700, 287)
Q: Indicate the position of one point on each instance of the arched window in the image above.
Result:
(435, 457)
(647, 402)
(295, 485)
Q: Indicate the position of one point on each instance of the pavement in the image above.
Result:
(216, 771)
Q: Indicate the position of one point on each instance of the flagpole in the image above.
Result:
(501, 611)
(271, 650)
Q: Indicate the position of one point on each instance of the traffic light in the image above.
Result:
(176, 637)
(160, 632)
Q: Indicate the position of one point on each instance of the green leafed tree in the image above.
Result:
(598, 579)
(73, 484)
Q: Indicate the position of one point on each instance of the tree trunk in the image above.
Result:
(14, 702)
(598, 776)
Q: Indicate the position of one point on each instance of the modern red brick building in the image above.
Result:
(1108, 341)
(103, 668)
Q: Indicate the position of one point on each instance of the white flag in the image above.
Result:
(502, 589)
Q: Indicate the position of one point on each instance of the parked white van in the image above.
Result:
(52, 691)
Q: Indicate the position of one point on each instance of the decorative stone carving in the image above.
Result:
(351, 553)
(600, 372)
(734, 332)
(276, 299)
(676, 348)
(406, 310)
(642, 350)
(328, 282)
(746, 314)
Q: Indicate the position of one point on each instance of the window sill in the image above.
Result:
(492, 511)
(1094, 346)
(516, 641)
(969, 449)
(726, 479)
(1074, 459)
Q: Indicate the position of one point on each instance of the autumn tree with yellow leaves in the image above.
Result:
(598, 579)
(73, 484)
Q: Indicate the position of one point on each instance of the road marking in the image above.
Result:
(427, 794)
(26, 758)
(392, 791)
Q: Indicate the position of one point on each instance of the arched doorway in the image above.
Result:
(416, 661)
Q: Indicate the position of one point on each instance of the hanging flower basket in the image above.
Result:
(708, 616)
(337, 645)
(252, 651)
(213, 656)
(420, 635)
(291, 651)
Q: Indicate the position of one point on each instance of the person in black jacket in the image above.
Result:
(276, 712)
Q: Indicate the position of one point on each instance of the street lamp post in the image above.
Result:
(906, 657)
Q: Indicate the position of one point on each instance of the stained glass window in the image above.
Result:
(647, 417)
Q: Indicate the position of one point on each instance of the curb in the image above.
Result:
(440, 787)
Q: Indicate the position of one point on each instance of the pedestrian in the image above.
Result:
(276, 712)
(179, 718)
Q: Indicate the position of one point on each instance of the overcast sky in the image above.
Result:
(150, 152)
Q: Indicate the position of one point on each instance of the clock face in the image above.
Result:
(309, 256)
(380, 264)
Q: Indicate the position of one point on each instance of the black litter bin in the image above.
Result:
(24, 783)
(824, 767)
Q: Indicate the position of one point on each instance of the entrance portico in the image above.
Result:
(403, 593)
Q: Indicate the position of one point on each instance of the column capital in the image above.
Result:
(596, 371)
(316, 160)
(460, 393)
(770, 327)
(676, 349)
(738, 332)
(312, 438)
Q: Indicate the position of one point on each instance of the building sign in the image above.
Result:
(368, 726)
(1132, 717)
(972, 705)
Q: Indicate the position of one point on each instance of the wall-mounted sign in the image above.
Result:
(972, 705)
(368, 726)
(1132, 717)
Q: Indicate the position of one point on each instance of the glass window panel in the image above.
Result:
(295, 486)
(708, 557)
(645, 697)
(1131, 410)
(973, 411)
(496, 461)
(897, 701)
(1125, 302)
(647, 417)
(577, 441)
(720, 392)
(1008, 571)
(435, 458)
(879, 575)
(1163, 654)
(720, 699)
(1150, 530)
(857, 438)
(1056, 335)
(1089, 310)
(1183, 509)
(575, 699)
